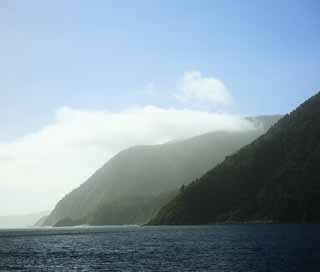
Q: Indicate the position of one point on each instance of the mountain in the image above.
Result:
(132, 186)
(21, 220)
(41, 220)
(275, 178)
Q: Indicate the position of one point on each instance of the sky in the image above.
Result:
(82, 80)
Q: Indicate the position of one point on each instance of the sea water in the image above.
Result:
(250, 247)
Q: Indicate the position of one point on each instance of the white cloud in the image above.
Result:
(195, 88)
(38, 169)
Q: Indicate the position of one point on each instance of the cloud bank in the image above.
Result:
(38, 169)
(194, 87)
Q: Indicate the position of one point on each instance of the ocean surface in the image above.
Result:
(166, 248)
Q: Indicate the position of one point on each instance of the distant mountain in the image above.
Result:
(274, 179)
(132, 186)
(21, 220)
(41, 220)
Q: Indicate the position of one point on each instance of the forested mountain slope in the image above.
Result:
(132, 186)
(275, 178)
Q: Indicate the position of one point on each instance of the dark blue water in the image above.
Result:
(190, 248)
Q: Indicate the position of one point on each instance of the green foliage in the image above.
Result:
(130, 187)
(274, 179)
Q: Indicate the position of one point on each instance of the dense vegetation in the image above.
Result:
(129, 210)
(275, 178)
(137, 182)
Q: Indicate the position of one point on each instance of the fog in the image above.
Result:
(41, 167)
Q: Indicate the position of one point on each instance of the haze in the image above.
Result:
(82, 81)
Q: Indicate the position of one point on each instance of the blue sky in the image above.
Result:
(101, 54)
(82, 80)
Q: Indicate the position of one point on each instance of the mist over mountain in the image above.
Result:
(274, 179)
(132, 186)
(21, 220)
